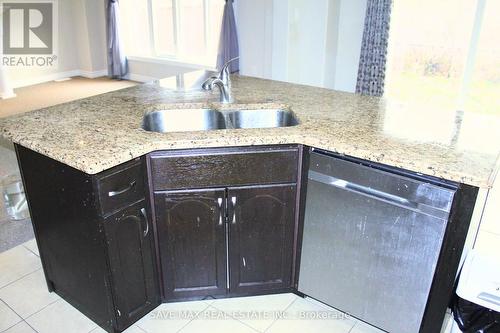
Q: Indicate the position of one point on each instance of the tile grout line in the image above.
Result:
(249, 325)
(93, 328)
(8, 328)
(46, 306)
(196, 317)
(275, 320)
(17, 314)
(6, 304)
(331, 308)
(30, 326)
(140, 328)
(254, 329)
(22, 277)
(20, 316)
(27, 248)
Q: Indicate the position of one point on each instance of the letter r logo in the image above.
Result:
(27, 28)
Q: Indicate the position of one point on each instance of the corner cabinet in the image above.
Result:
(130, 248)
(95, 237)
(230, 234)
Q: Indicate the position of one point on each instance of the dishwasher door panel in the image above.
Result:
(372, 258)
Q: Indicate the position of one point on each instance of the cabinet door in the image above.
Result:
(131, 259)
(191, 232)
(261, 223)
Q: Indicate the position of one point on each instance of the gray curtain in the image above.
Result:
(372, 61)
(228, 42)
(117, 62)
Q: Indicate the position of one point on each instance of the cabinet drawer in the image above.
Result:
(223, 167)
(121, 187)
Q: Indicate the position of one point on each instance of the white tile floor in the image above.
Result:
(27, 307)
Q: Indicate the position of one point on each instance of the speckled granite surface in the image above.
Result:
(99, 132)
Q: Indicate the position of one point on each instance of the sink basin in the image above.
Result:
(183, 120)
(261, 118)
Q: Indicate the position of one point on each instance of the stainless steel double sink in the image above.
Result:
(203, 119)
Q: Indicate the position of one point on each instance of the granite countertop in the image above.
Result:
(99, 132)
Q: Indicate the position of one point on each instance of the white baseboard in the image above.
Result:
(7, 94)
(58, 76)
(94, 74)
(139, 78)
(44, 78)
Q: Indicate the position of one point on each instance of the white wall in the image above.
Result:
(91, 35)
(6, 90)
(331, 44)
(307, 28)
(81, 45)
(279, 42)
(350, 34)
(255, 33)
(67, 52)
(315, 43)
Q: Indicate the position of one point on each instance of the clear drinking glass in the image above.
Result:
(14, 198)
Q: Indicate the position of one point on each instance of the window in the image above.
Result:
(181, 30)
(483, 93)
(445, 54)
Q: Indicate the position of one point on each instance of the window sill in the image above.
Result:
(171, 62)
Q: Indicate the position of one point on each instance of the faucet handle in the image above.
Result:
(206, 85)
(224, 72)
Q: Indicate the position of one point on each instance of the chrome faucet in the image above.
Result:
(223, 81)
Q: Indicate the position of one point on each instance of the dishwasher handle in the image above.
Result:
(350, 186)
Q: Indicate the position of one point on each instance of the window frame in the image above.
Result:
(470, 59)
(176, 57)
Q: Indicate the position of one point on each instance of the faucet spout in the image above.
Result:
(225, 91)
(224, 72)
(223, 81)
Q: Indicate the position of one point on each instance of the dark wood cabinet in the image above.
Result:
(261, 222)
(216, 222)
(129, 243)
(226, 226)
(91, 232)
(114, 243)
(191, 232)
(212, 168)
(242, 234)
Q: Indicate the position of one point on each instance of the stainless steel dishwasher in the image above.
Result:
(371, 241)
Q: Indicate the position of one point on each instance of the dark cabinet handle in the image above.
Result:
(143, 212)
(123, 190)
